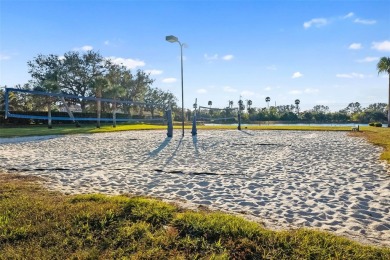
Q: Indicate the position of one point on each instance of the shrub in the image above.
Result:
(376, 124)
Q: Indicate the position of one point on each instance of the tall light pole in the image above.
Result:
(172, 39)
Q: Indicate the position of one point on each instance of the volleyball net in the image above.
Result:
(40, 106)
(217, 115)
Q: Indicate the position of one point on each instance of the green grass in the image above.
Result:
(378, 136)
(61, 130)
(39, 224)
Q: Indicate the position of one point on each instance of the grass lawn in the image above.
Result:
(39, 224)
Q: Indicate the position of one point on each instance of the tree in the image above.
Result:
(136, 86)
(45, 73)
(383, 66)
(249, 104)
(210, 103)
(267, 99)
(297, 102)
(353, 108)
(377, 107)
(320, 109)
(241, 105)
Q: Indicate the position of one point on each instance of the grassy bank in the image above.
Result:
(38, 224)
(60, 130)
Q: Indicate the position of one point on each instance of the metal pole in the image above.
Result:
(6, 102)
(182, 89)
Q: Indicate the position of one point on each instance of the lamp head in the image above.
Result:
(171, 38)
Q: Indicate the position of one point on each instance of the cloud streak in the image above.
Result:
(4, 57)
(154, 72)
(367, 59)
(364, 21)
(128, 63)
(355, 46)
(83, 48)
(169, 80)
(297, 75)
(316, 22)
(229, 89)
(226, 57)
(352, 75)
(381, 46)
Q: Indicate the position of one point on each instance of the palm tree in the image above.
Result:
(249, 103)
(210, 103)
(230, 103)
(241, 105)
(297, 102)
(383, 66)
(267, 99)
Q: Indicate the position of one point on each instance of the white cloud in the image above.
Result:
(297, 75)
(217, 57)
(62, 57)
(128, 63)
(349, 15)
(212, 57)
(154, 72)
(365, 22)
(107, 42)
(368, 59)
(84, 48)
(228, 57)
(311, 90)
(295, 92)
(268, 89)
(4, 57)
(352, 75)
(381, 46)
(355, 46)
(247, 93)
(169, 80)
(201, 91)
(229, 89)
(317, 22)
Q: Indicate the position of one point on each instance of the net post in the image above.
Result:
(194, 131)
(169, 124)
(239, 121)
(6, 103)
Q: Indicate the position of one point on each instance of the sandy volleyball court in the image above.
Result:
(324, 180)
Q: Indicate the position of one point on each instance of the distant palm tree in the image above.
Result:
(383, 66)
(230, 103)
(297, 102)
(267, 99)
(210, 103)
(249, 103)
(241, 105)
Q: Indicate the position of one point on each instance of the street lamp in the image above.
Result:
(172, 39)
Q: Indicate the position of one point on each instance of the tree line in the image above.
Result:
(354, 112)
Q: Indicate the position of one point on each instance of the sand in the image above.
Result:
(283, 179)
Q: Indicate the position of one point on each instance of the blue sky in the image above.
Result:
(321, 52)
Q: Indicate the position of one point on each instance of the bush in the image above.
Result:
(376, 124)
